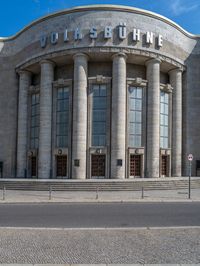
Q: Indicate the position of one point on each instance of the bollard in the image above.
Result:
(50, 192)
(142, 193)
(4, 192)
(97, 195)
(189, 185)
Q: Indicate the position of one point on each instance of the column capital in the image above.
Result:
(46, 61)
(120, 54)
(24, 71)
(152, 61)
(81, 55)
(175, 70)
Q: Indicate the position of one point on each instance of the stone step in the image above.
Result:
(108, 185)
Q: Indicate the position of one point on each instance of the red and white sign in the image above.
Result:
(190, 157)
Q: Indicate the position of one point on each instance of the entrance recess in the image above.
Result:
(98, 166)
(135, 165)
(61, 170)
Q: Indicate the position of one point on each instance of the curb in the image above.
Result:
(100, 201)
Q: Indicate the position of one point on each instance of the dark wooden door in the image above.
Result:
(135, 165)
(98, 165)
(164, 165)
(61, 166)
(33, 166)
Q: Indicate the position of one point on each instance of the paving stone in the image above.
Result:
(139, 246)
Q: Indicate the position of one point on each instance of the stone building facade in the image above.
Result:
(99, 92)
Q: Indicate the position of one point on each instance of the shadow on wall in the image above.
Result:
(191, 111)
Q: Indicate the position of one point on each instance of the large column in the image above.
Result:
(118, 134)
(176, 83)
(153, 118)
(24, 83)
(47, 77)
(79, 142)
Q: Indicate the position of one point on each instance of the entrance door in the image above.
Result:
(98, 166)
(33, 166)
(61, 170)
(164, 165)
(135, 165)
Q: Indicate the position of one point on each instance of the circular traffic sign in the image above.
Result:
(190, 157)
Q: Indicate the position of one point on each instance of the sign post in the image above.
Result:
(190, 158)
(1, 169)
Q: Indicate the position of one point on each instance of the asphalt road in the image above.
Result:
(110, 215)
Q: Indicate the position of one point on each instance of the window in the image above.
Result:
(164, 120)
(99, 115)
(35, 120)
(62, 117)
(135, 117)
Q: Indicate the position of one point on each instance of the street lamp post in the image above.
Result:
(190, 158)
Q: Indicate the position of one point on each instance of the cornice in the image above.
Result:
(86, 50)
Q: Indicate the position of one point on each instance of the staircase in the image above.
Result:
(101, 185)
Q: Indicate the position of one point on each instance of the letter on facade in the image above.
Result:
(43, 41)
(160, 40)
(66, 39)
(78, 35)
(54, 37)
(122, 31)
(93, 33)
(136, 35)
(108, 32)
(149, 37)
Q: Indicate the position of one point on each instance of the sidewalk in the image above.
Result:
(14, 196)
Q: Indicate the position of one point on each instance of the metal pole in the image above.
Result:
(142, 192)
(50, 191)
(4, 192)
(97, 195)
(189, 187)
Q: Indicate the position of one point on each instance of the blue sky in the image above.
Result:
(15, 14)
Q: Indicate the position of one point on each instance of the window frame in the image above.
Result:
(36, 116)
(59, 111)
(141, 111)
(104, 108)
(55, 150)
(164, 126)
